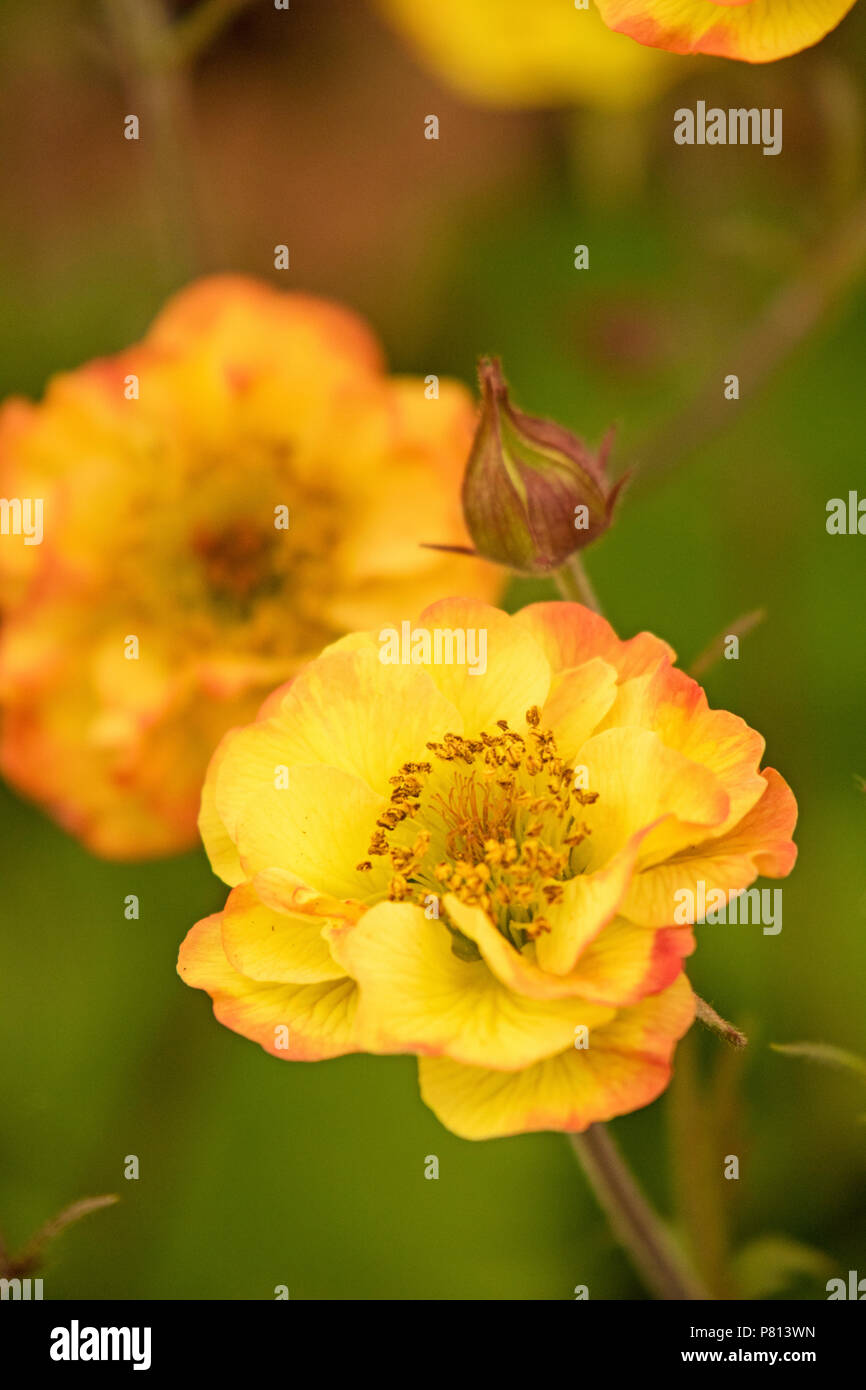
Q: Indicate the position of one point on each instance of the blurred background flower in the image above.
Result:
(489, 51)
(219, 501)
(306, 126)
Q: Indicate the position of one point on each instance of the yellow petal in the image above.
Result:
(271, 946)
(417, 996)
(577, 704)
(588, 903)
(626, 1065)
(346, 710)
(571, 634)
(760, 844)
(299, 1023)
(519, 970)
(220, 847)
(515, 677)
(757, 32)
(625, 962)
(640, 784)
(318, 829)
(350, 711)
(290, 896)
(672, 705)
(621, 966)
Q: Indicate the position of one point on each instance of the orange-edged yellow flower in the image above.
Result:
(217, 504)
(466, 838)
(756, 31)
(508, 53)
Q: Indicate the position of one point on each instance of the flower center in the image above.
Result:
(236, 561)
(494, 820)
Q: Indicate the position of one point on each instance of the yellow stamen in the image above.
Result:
(507, 842)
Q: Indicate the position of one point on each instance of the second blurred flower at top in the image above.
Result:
(548, 53)
(219, 501)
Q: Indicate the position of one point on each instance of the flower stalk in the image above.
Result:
(637, 1227)
(158, 92)
(574, 583)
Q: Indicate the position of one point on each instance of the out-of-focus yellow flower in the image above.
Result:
(482, 861)
(757, 31)
(267, 490)
(543, 53)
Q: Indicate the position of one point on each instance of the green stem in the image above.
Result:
(637, 1227)
(791, 316)
(158, 93)
(573, 583)
(196, 31)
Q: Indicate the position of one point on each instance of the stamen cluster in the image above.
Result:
(507, 821)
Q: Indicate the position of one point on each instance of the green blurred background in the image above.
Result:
(308, 129)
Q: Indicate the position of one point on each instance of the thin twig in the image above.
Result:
(713, 650)
(791, 316)
(31, 1256)
(194, 32)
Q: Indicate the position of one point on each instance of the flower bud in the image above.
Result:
(533, 493)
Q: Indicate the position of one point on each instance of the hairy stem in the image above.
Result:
(637, 1227)
(710, 1019)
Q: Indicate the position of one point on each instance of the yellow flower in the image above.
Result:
(218, 503)
(512, 54)
(478, 860)
(757, 31)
